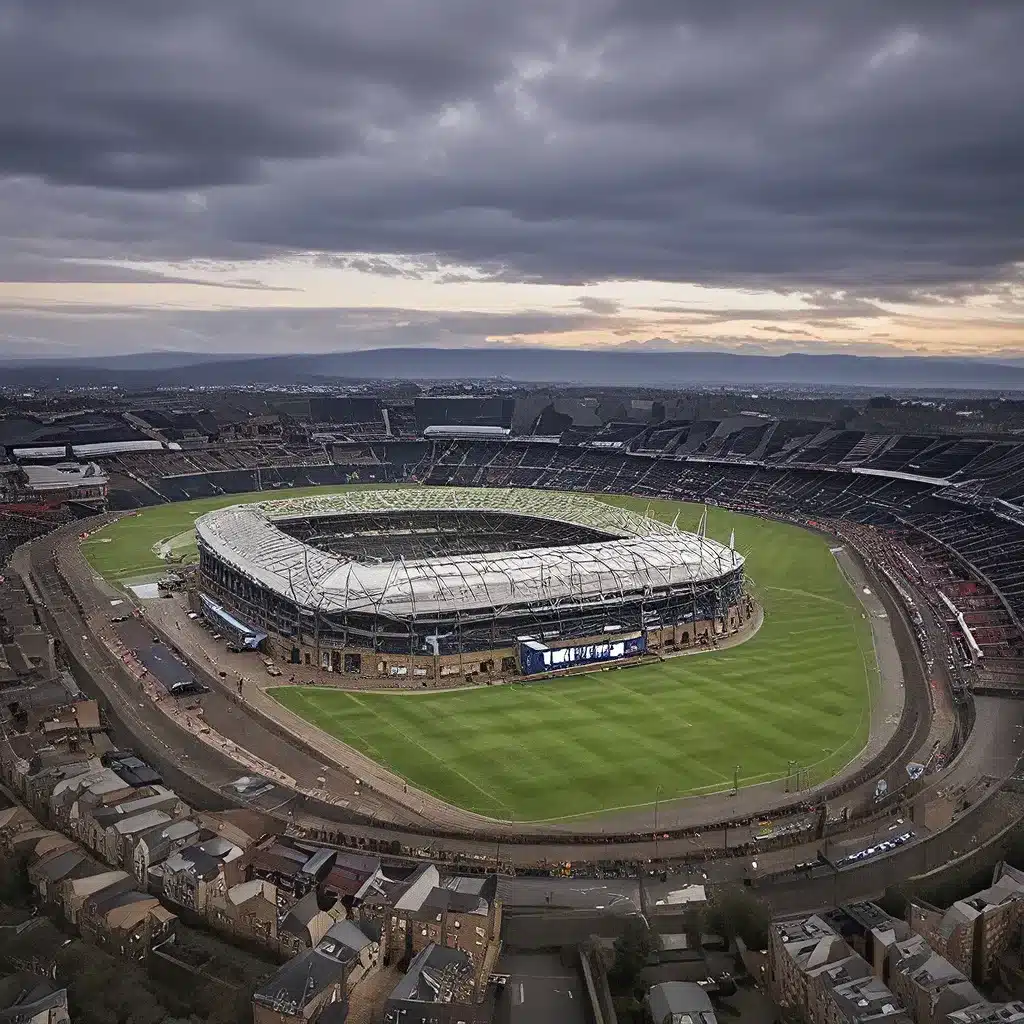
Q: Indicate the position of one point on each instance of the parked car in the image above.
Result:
(188, 688)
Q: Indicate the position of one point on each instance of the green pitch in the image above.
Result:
(798, 692)
(131, 548)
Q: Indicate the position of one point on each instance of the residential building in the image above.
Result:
(975, 932)
(155, 845)
(247, 910)
(867, 930)
(462, 913)
(75, 891)
(126, 922)
(118, 843)
(13, 821)
(279, 860)
(927, 984)
(317, 978)
(48, 874)
(131, 768)
(72, 788)
(440, 987)
(989, 1013)
(858, 1000)
(26, 998)
(349, 874)
(20, 846)
(53, 843)
(94, 823)
(307, 921)
(796, 946)
(196, 873)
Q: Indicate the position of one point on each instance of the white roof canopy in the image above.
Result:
(641, 553)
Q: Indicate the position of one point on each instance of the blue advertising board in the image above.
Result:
(536, 657)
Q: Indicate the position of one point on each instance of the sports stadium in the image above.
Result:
(420, 581)
(855, 654)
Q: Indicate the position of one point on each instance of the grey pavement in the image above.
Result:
(540, 991)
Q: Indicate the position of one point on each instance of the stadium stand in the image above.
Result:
(961, 493)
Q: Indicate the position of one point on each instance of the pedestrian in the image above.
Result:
(239, 686)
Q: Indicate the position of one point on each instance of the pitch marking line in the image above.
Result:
(428, 752)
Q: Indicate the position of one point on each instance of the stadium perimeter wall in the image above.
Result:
(331, 666)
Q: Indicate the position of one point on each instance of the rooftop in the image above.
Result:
(639, 550)
(305, 976)
(989, 1013)
(928, 970)
(436, 975)
(810, 942)
(24, 995)
(868, 998)
(680, 1002)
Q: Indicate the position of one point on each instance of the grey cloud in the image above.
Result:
(595, 305)
(872, 148)
(37, 269)
(83, 330)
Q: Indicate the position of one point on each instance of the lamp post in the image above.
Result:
(657, 799)
(736, 779)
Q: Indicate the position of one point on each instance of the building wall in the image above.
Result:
(915, 998)
(255, 920)
(414, 671)
(1000, 927)
(789, 983)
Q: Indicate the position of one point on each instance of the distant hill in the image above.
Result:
(531, 365)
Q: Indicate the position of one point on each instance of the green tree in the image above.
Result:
(737, 912)
(632, 949)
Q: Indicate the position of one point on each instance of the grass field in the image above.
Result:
(799, 691)
(128, 550)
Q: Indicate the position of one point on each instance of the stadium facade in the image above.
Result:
(424, 583)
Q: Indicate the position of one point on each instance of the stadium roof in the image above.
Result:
(64, 476)
(641, 554)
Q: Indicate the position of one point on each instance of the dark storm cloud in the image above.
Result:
(874, 147)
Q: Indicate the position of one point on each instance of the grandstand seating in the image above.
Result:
(800, 469)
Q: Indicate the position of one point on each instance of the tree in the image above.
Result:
(693, 924)
(632, 949)
(736, 912)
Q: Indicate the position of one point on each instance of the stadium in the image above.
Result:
(389, 573)
(433, 582)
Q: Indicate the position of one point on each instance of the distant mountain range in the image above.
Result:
(529, 365)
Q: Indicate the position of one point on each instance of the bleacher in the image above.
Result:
(830, 447)
(803, 470)
(900, 455)
(788, 437)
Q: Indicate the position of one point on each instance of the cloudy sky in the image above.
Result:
(262, 176)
